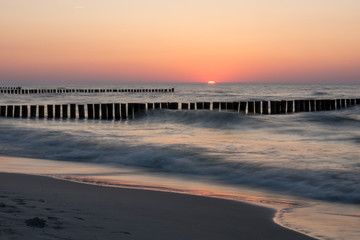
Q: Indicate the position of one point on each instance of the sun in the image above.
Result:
(211, 82)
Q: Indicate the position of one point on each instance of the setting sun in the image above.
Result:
(211, 82)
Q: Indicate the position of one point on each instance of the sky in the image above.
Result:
(114, 41)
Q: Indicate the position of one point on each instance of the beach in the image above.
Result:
(69, 210)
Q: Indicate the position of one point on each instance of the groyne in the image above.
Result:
(118, 111)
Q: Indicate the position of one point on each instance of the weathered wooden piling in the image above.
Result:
(164, 105)
(283, 107)
(357, 101)
(199, 105)
(33, 111)
(258, 107)
(174, 105)
(216, 105)
(297, 105)
(123, 110)
(207, 105)
(104, 111)
(265, 107)
(290, 106)
(192, 106)
(242, 107)
(17, 111)
(97, 111)
(57, 111)
(72, 110)
(110, 111)
(81, 111)
(117, 111)
(90, 108)
(41, 111)
(157, 105)
(223, 106)
(332, 104)
(251, 107)
(50, 111)
(10, 111)
(24, 111)
(150, 106)
(275, 107)
(229, 106)
(184, 106)
(130, 112)
(65, 111)
(236, 106)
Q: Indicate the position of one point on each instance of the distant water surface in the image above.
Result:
(305, 164)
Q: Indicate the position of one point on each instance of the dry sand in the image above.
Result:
(69, 210)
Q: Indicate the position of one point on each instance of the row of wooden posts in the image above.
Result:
(18, 90)
(117, 111)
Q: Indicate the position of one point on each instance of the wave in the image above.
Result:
(180, 159)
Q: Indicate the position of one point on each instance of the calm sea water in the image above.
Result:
(306, 165)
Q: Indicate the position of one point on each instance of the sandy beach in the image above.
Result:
(36, 207)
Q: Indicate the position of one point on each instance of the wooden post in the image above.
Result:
(150, 106)
(243, 107)
(104, 111)
(251, 108)
(81, 109)
(10, 111)
(223, 106)
(332, 104)
(290, 106)
(130, 110)
(17, 111)
(50, 111)
(348, 102)
(164, 105)
(57, 111)
(41, 111)
(297, 105)
(312, 105)
(110, 111)
(90, 111)
(123, 110)
(275, 107)
(338, 104)
(174, 105)
(352, 101)
(343, 103)
(229, 106)
(157, 105)
(236, 106)
(192, 106)
(64, 111)
(33, 111)
(357, 101)
(97, 111)
(24, 111)
(318, 105)
(216, 105)
(207, 105)
(117, 111)
(184, 106)
(199, 105)
(72, 111)
(307, 105)
(258, 107)
(265, 107)
(326, 104)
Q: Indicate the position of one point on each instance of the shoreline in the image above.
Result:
(84, 211)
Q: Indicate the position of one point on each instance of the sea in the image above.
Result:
(305, 165)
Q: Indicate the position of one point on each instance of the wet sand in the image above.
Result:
(35, 207)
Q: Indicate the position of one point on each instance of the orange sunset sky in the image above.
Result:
(179, 40)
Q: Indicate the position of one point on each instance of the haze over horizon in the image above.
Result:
(78, 41)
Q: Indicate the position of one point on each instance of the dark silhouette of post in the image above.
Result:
(184, 106)
(65, 111)
(33, 111)
(41, 111)
(57, 111)
(72, 111)
(17, 111)
(123, 110)
(216, 105)
(243, 107)
(24, 111)
(251, 107)
(97, 111)
(50, 111)
(104, 111)
(258, 107)
(110, 113)
(265, 107)
(81, 111)
(117, 111)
